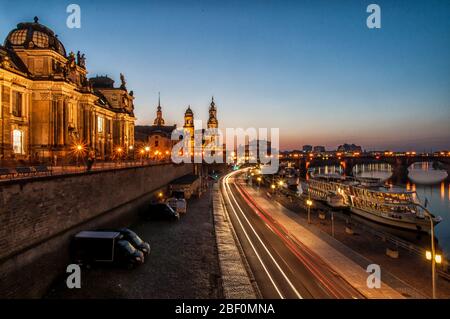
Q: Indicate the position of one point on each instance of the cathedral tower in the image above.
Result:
(212, 121)
(159, 121)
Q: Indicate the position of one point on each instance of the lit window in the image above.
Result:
(100, 123)
(18, 141)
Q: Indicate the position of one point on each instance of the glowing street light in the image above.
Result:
(437, 257)
(431, 255)
(309, 203)
(78, 149)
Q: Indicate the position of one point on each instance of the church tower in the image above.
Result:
(212, 121)
(159, 121)
(189, 125)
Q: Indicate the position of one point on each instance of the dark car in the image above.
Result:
(135, 240)
(160, 211)
(125, 250)
(132, 237)
(91, 247)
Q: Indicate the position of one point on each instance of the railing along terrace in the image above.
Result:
(33, 171)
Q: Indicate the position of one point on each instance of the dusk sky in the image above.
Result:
(311, 68)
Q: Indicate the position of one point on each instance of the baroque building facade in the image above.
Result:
(48, 105)
(158, 136)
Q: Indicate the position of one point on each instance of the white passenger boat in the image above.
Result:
(391, 207)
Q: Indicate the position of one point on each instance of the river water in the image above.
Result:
(431, 185)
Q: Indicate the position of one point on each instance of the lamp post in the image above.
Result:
(79, 149)
(119, 154)
(431, 255)
(142, 153)
(273, 187)
(332, 223)
(147, 150)
(259, 182)
(131, 149)
(309, 204)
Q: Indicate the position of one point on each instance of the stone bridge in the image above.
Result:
(399, 164)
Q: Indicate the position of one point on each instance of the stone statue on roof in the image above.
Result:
(123, 86)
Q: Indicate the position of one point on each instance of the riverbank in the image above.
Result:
(410, 274)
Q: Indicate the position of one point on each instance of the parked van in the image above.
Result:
(91, 247)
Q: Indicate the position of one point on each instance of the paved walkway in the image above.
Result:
(343, 265)
(183, 263)
(236, 281)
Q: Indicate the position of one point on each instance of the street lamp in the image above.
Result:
(431, 255)
(309, 204)
(78, 150)
(119, 151)
(131, 148)
(259, 181)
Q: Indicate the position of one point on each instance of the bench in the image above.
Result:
(6, 172)
(42, 169)
(26, 171)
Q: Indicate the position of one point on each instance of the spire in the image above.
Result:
(212, 121)
(159, 119)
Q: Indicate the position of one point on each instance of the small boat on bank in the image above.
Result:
(396, 208)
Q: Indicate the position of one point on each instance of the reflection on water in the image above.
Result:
(432, 186)
(379, 170)
(328, 170)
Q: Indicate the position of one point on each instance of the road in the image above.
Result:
(282, 266)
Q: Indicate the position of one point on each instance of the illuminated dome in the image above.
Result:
(33, 35)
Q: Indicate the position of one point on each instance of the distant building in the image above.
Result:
(307, 148)
(319, 149)
(349, 148)
(158, 137)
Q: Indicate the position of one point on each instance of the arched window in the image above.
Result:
(18, 142)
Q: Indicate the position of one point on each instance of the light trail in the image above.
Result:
(227, 186)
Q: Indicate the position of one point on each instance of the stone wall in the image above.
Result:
(38, 217)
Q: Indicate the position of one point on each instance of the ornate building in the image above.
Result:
(158, 137)
(189, 126)
(47, 104)
(212, 121)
